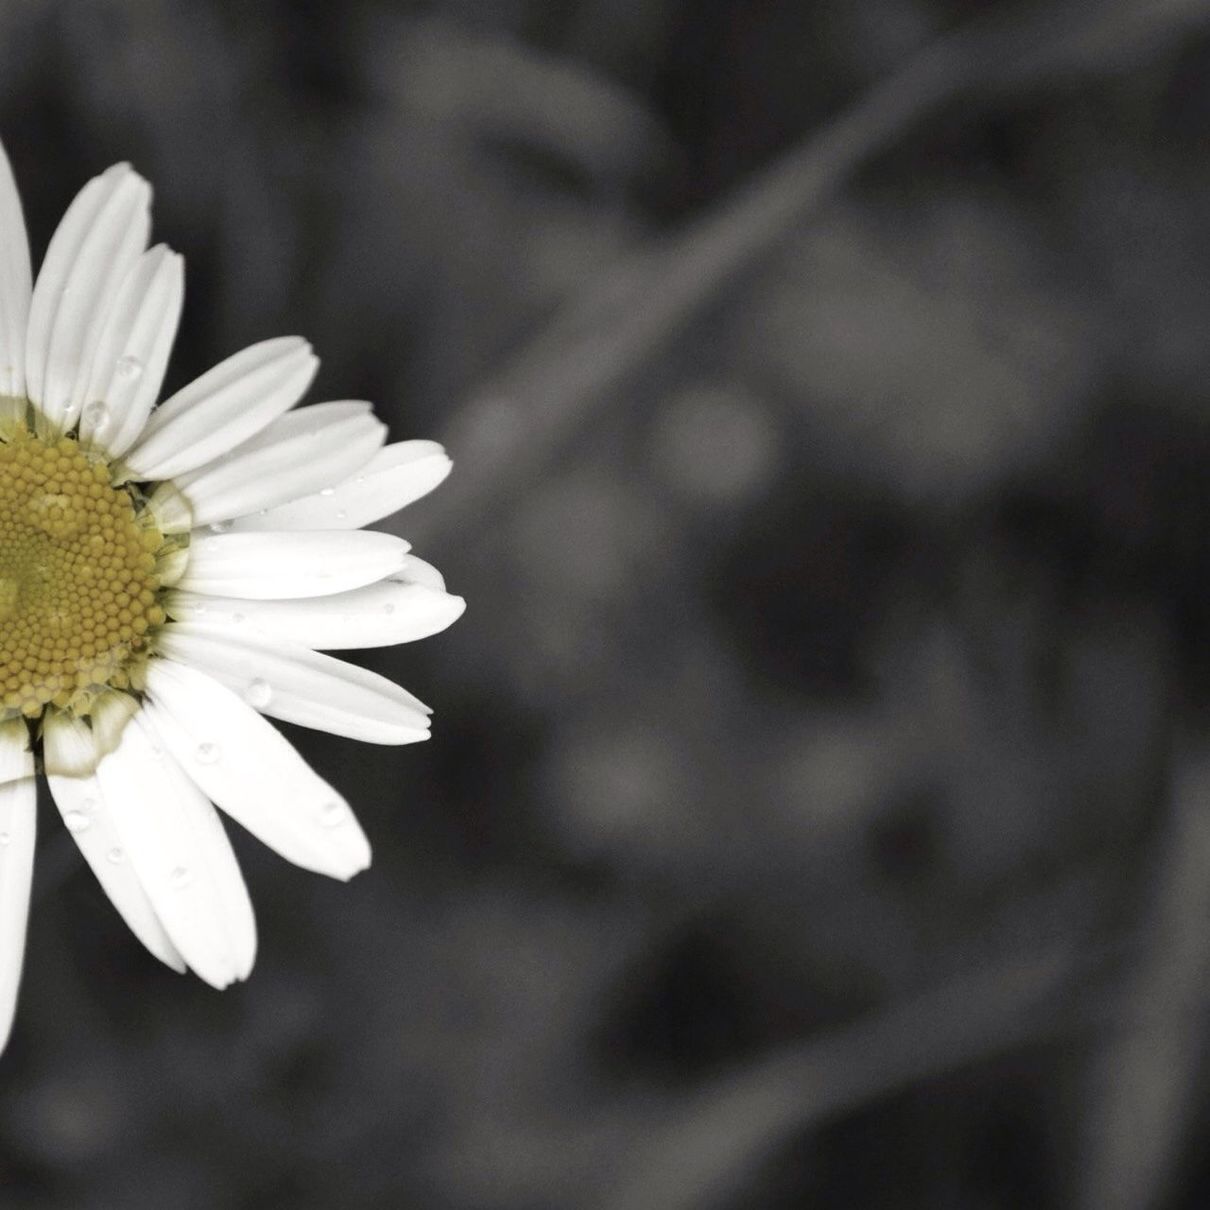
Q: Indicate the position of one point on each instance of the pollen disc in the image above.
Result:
(78, 584)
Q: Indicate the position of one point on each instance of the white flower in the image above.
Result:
(168, 577)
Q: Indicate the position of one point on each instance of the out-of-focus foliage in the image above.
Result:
(857, 647)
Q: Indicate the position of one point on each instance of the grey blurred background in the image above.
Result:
(818, 812)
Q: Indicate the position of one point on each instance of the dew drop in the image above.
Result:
(332, 814)
(129, 368)
(4, 839)
(181, 877)
(341, 515)
(207, 754)
(77, 821)
(258, 693)
(327, 491)
(388, 608)
(95, 415)
(115, 856)
(219, 527)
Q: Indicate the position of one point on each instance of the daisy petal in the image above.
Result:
(102, 234)
(300, 686)
(288, 565)
(157, 811)
(393, 478)
(232, 904)
(224, 407)
(15, 279)
(299, 452)
(250, 770)
(81, 802)
(18, 830)
(132, 354)
(417, 571)
(392, 611)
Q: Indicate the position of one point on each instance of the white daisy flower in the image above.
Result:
(168, 576)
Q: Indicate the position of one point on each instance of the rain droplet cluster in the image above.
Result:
(77, 575)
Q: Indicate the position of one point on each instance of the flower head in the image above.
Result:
(169, 576)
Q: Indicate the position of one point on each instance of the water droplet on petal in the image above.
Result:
(96, 415)
(258, 693)
(77, 821)
(327, 491)
(388, 608)
(207, 754)
(237, 618)
(219, 527)
(341, 515)
(115, 856)
(181, 877)
(129, 368)
(331, 814)
(4, 839)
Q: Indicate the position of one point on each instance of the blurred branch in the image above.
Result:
(714, 1147)
(1144, 1078)
(518, 423)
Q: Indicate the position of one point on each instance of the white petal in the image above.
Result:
(81, 802)
(288, 565)
(231, 899)
(160, 816)
(392, 611)
(224, 407)
(15, 279)
(299, 685)
(392, 479)
(417, 571)
(12, 409)
(102, 234)
(18, 831)
(299, 452)
(132, 354)
(246, 766)
(15, 760)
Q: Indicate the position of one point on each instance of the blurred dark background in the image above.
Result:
(818, 812)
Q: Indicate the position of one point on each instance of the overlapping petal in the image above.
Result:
(393, 478)
(132, 352)
(250, 770)
(227, 405)
(298, 453)
(81, 802)
(290, 565)
(100, 238)
(406, 606)
(299, 685)
(184, 865)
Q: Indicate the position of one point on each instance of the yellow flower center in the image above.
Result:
(78, 576)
